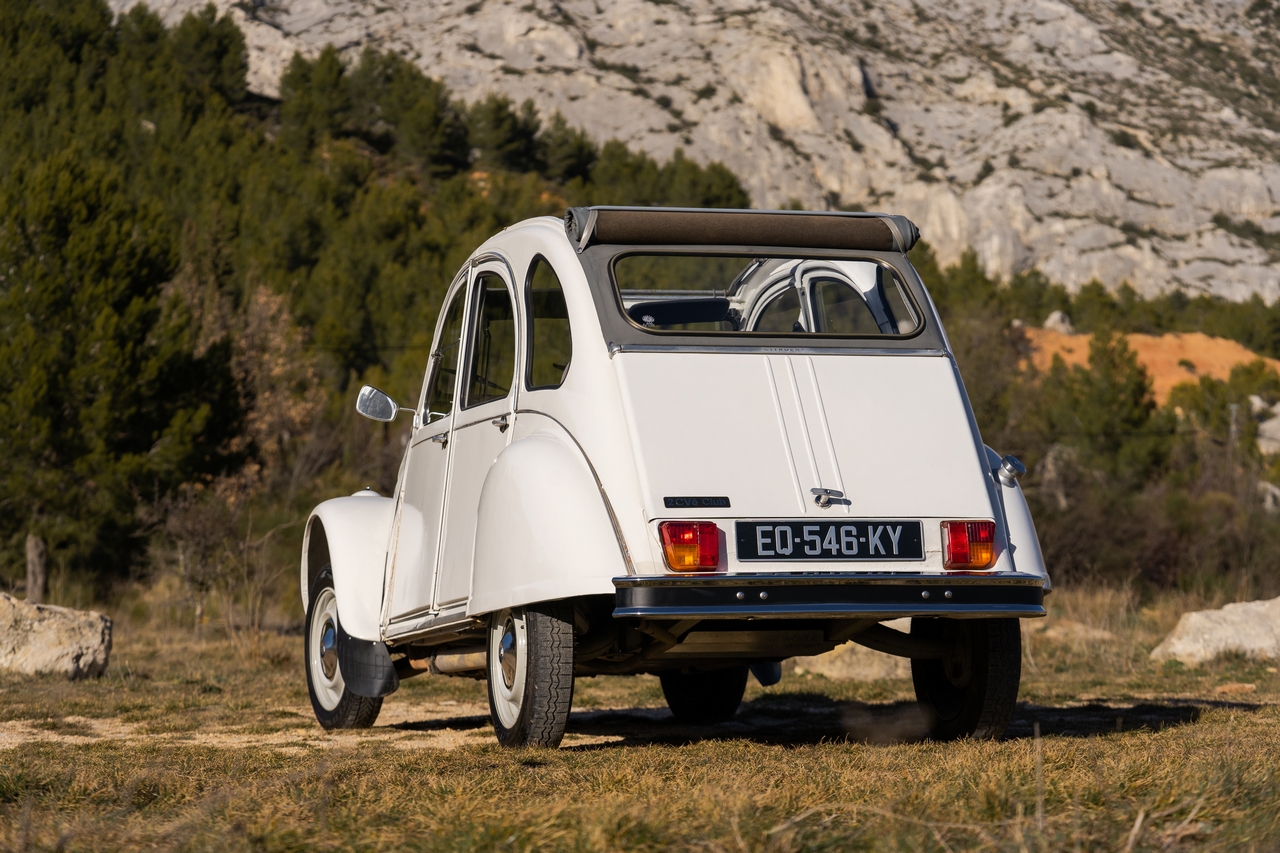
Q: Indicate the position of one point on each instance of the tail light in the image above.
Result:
(968, 544)
(690, 546)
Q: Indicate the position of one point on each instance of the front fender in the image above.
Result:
(350, 535)
(543, 531)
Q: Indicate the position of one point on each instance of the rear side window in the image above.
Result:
(550, 341)
(493, 343)
(445, 370)
(719, 294)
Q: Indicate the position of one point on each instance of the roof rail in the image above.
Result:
(677, 226)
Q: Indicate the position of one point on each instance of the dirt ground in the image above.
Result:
(197, 744)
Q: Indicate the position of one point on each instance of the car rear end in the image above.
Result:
(808, 459)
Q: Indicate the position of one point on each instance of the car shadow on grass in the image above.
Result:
(796, 719)
(467, 723)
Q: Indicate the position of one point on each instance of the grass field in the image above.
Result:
(205, 744)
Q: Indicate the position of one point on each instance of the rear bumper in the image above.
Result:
(824, 596)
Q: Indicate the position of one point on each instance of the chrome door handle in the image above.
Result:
(501, 423)
(442, 439)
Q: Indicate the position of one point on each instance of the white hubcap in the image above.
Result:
(508, 663)
(322, 649)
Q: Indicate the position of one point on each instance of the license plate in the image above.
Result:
(873, 541)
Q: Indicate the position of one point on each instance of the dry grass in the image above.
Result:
(188, 744)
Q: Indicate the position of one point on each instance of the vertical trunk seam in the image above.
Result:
(782, 425)
(804, 426)
(826, 431)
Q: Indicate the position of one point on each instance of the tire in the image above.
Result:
(704, 697)
(335, 706)
(530, 674)
(971, 693)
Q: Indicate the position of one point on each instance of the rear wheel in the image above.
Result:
(704, 697)
(530, 671)
(971, 692)
(335, 706)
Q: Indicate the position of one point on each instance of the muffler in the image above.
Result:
(453, 661)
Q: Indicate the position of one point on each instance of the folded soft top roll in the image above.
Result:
(671, 226)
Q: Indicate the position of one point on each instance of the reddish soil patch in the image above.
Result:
(1163, 356)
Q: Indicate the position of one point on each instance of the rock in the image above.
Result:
(852, 662)
(1070, 631)
(1269, 495)
(43, 638)
(1063, 136)
(1058, 321)
(1251, 628)
(1269, 434)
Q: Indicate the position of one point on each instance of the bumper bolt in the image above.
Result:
(924, 594)
(947, 594)
(764, 596)
(740, 595)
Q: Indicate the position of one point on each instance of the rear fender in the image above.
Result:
(1027, 557)
(544, 530)
(350, 535)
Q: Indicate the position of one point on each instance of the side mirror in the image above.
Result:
(377, 405)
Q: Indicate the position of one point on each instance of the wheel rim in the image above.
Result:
(508, 664)
(322, 650)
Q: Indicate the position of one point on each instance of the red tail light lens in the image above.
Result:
(968, 544)
(690, 546)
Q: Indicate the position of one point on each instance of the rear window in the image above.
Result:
(720, 294)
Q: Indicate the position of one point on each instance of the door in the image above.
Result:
(485, 412)
(413, 568)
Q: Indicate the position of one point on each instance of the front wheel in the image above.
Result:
(971, 692)
(335, 706)
(530, 671)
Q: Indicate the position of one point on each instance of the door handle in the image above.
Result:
(501, 423)
(442, 439)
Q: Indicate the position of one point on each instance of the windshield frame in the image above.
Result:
(619, 329)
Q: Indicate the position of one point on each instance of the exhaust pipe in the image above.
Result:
(452, 661)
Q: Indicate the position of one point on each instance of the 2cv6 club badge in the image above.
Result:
(691, 443)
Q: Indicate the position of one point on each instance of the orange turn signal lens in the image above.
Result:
(690, 546)
(968, 544)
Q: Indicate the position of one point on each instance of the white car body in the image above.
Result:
(557, 494)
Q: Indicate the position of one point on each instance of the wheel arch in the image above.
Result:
(350, 536)
(544, 530)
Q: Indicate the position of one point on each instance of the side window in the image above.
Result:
(841, 309)
(493, 343)
(550, 342)
(876, 307)
(445, 360)
(782, 314)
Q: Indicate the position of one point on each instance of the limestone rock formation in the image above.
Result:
(43, 638)
(852, 662)
(1119, 141)
(1251, 628)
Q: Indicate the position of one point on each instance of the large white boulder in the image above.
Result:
(1251, 628)
(42, 638)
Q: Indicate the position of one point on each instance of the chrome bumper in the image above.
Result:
(825, 596)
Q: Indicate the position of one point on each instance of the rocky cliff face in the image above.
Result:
(1126, 142)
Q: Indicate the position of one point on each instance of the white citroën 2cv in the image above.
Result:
(691, 443)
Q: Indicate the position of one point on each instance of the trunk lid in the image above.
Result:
(892, 432)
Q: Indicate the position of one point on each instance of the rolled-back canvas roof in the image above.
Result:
(670, 226)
